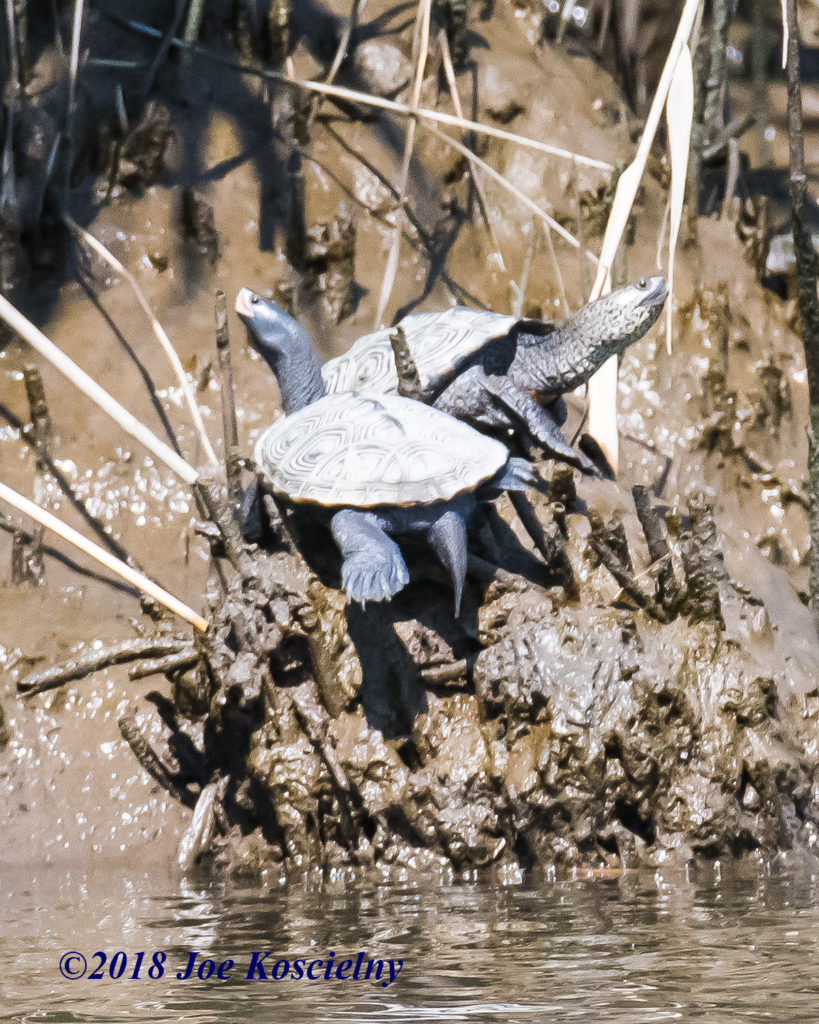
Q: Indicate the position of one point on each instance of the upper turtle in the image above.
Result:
(364, 450)
(545, 359)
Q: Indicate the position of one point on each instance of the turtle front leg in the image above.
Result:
(373, 568)
(495, 402)
(524, 409)
(447, 535)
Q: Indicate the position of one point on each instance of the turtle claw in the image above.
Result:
(592, 453)
(373, 568)
(373, 578)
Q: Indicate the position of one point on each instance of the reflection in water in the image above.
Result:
(634, 949)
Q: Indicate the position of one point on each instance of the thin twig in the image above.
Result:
(449, 71)
(159, 331)
(441, 117)
(550, 222)
(129, 423)
(168, 40)
(421, 50)
(340, 92)
(342, 49)
(68, 533)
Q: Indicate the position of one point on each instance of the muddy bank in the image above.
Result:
(562, 723)
(545, 727)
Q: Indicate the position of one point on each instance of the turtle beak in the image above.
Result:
(656, 292)
(244, 304)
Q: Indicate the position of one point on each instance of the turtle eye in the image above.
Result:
(642, 283)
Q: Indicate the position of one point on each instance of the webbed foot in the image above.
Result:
(373, 568)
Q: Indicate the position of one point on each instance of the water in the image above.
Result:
(627, 950)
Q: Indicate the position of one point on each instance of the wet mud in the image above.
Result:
(645, 695)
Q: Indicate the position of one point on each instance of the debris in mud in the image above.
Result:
(329, 256)
(139, 160)
(199, 224)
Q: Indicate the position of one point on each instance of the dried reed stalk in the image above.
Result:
(137, 579)
(68, 368)
(73, 69)
(603, 385)
(680, 121)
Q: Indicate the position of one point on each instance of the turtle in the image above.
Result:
(494, 371)
(377, 465)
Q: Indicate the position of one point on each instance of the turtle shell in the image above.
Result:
(363, 450)
(440, 344)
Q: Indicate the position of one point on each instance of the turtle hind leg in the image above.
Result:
(447, 535)
(373, 568)
(538, 424)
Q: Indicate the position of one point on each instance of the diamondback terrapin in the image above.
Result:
(493, 371)
(377, 465)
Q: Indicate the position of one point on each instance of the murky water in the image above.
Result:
(631, 949)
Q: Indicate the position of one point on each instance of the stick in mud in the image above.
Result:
(607, 542)
(91, 661)
(96, 525)
(703, 564)
(549, 542)
(231, 431)
(150, 760)
(178, 662)
(438, 674)
(40, 431)
(669, 591)
(409, 379)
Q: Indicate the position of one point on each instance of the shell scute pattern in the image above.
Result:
(439, 342)
(362, 451)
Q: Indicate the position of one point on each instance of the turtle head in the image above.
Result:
(624, 315)
(285, 346)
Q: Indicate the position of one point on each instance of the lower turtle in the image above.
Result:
(378, 466)
(375, 466)
(501, 374)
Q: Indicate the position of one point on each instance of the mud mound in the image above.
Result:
(570, 725)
